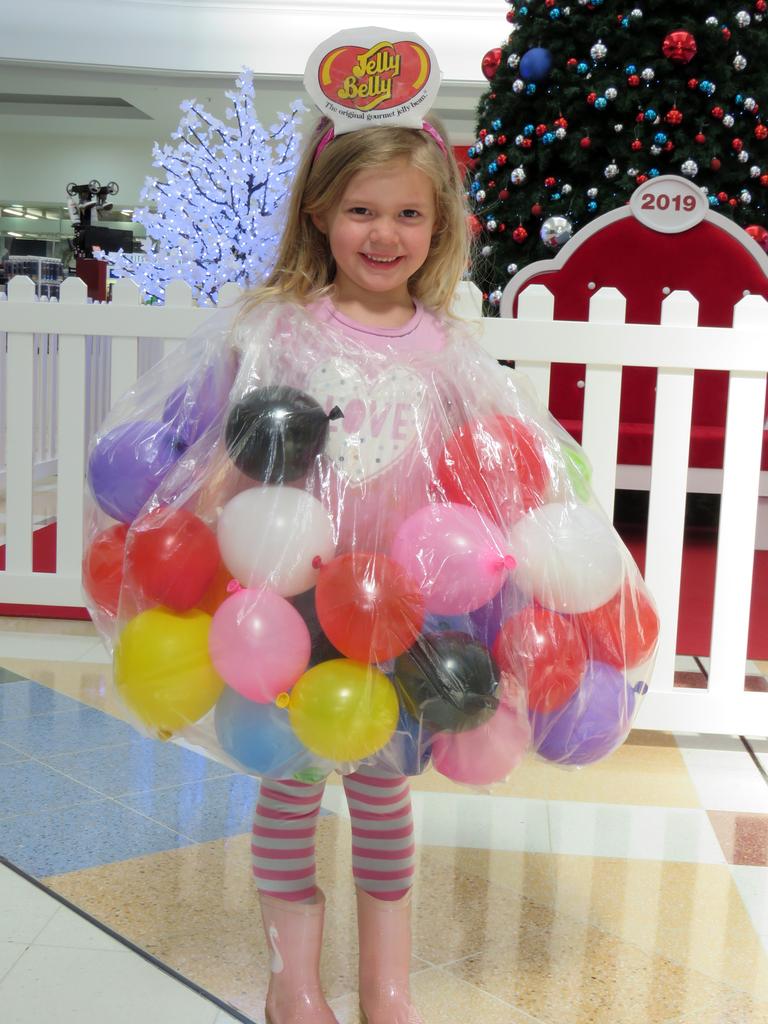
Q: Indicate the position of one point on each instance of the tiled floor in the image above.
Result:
(633, 892)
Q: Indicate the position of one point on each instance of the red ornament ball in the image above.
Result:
(760, 235)
(571, 63)
(490, 62)
(761, 131)
(636, 145)
(700, 137)
(633, 81)
(693, 83)
(537, 210)
(475, 226)
(520, 235)
(560, 122)
(761, 6)
(540, 129)
(668, 146)
(503, 194)
(511, 15)
(641, 179)
(733, 202)
(591, 97)
(526, 143)
(586, 142)
(550, 182)
(673, 116)
(714, 163)
(723, 197)
(482, 133)
(764, 180)
(726, 33)
(679, 47)
(501, 140)
(501, 159)
(717, 112)
(737, 145)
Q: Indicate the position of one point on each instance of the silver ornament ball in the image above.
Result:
(555, 232)
(690, 168)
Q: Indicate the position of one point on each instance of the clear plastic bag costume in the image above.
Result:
(309, 555)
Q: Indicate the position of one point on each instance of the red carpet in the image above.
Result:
(698, 587)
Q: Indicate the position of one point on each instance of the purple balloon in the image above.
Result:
(592, 723)
(192, 407)
(127, 465)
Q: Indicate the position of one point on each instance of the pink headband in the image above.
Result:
(425, 127)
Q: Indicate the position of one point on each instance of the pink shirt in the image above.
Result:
(383, 449)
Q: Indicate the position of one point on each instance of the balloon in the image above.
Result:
(579, 472)
(487, 753)
(622, 632)
(545, 652)
(103, 567)
(408, 752)
(322, 648)
(483, 623)
(568, 558)
(172, 557)
(163, 670)
(497, 465)
(216, 593)
(369, 607)
(274, 434)
(127, 465)
(192, 407)
(259, 644)
(259, 737)
(449, 680)
(343, 710)
(275, 535)
(457, 556)
(594, 722)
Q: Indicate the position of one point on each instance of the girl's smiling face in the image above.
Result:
(380, 234)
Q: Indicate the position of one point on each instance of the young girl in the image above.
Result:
(375, 245)
(419, 572)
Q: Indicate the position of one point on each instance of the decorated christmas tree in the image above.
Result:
(587, 101)
(216, 213)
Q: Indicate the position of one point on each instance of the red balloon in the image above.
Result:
(216, 593)
(544, 651)
(495, 464)
(622, 632)
(368, 606)
(103, 567)
(172, 558)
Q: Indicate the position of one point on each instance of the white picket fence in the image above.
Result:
(100, 354)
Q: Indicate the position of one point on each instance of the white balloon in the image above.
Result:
(274, 535)
(568, 557)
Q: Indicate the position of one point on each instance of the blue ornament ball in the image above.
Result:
(536, 64)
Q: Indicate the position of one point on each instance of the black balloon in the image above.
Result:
(322, 649)
(449, 680)
(273, 434)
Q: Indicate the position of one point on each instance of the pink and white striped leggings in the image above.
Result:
(283, 840)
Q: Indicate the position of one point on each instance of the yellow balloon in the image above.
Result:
(163, 670)
(343, 710)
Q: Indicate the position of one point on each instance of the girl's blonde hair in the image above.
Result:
(305, 269)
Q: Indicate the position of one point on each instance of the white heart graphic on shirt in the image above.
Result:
(380, 423)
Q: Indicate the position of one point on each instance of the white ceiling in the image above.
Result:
(93, 76)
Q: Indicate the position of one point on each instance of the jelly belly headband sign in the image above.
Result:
(371, 76)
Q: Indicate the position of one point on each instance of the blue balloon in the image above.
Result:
(536, 64)
(260, 738)
(410, 748)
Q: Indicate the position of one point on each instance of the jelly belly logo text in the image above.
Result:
(386, 75)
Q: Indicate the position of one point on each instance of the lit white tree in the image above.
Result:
(218, 215)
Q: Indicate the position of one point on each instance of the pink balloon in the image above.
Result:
(458, 556)
(486, 754)
(259, 644)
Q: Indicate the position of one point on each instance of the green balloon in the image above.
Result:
(579, 472)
